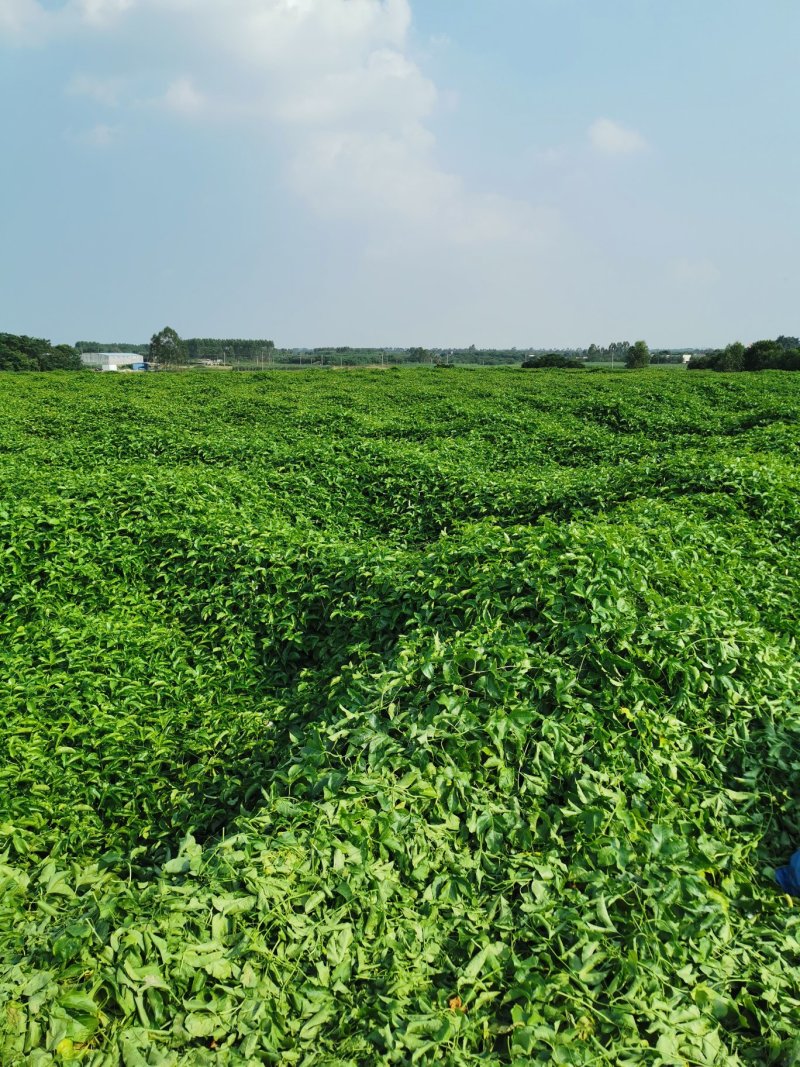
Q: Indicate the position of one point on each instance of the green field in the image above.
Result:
(417, 716)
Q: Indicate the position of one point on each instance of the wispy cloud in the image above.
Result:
(101, 12)
(183, 97)
(611, 138)
(104, 91)
(551, 156)
(101, 135)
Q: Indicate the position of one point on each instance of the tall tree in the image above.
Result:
(166, 347)
(637, 356)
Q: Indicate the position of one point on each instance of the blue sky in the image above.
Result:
(496, 172)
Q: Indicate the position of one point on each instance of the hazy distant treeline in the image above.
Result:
(262, 352)
(19, 352)
(113, 346)
(229, 349)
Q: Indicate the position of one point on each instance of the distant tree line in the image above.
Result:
(485, 356)
(114, 346)
(228, 348)
(21, 353)
(617, 350)
(195, 347)
(339, 355)
(664, 355)
(780, 354)
(636, 356)
(166, 347)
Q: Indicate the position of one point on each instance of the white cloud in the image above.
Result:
(385, 87)
(21, 21)
(392, 183)
(104, 91)
(183, 98)
(25, 22)
(613, 139)
(336, 81)
(328, 32)
(101, 12)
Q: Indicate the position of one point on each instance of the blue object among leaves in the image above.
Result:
(788, 877)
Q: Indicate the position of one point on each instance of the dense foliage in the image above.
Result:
(550, 360)
(781, 354)
(383, 718)
(21, 353)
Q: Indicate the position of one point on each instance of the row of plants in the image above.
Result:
(399, 718)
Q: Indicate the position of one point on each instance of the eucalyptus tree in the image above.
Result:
(166, 347)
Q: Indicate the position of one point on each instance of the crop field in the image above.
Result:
(423, 716)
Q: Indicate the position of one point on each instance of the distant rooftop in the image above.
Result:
(117, 359)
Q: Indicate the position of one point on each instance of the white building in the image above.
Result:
(112, 360)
